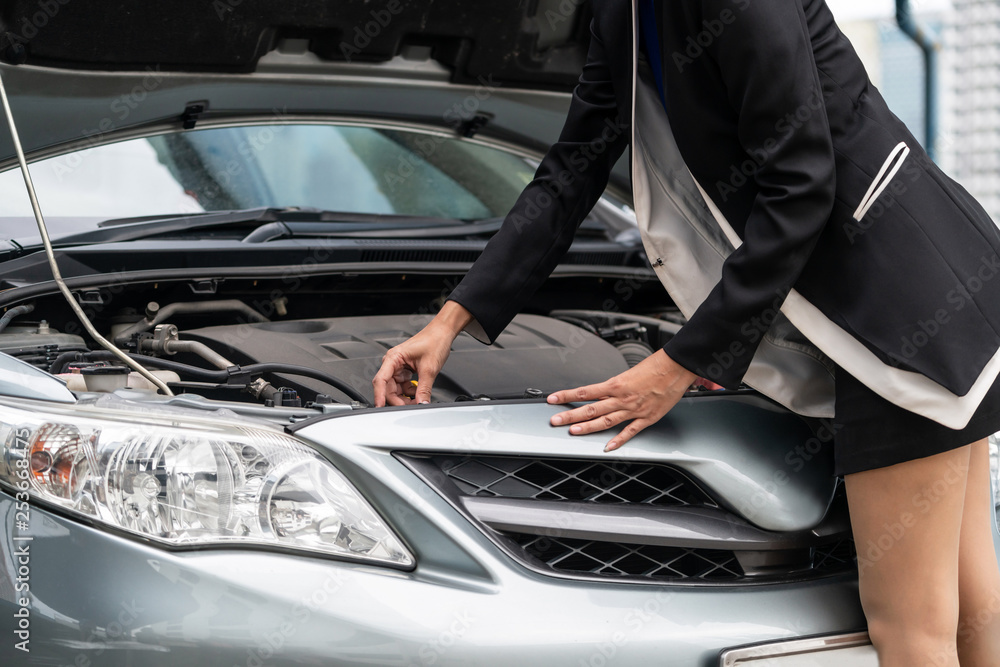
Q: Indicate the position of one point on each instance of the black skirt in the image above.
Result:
(870, 432)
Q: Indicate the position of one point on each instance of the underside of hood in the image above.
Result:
(533, 43)
(88, 72)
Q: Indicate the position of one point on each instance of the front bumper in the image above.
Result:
(100, 599)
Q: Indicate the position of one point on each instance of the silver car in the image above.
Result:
(248, 204)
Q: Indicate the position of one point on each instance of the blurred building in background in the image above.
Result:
(968, 139)
(970, 146)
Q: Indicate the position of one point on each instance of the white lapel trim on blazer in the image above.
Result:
(687, 248)
(686, 271)
(907, 389)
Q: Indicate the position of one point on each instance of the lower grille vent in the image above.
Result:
(670, 564)
(631, 560)
(835, 556)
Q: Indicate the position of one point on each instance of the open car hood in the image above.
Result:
(90, 71)
(540, 44)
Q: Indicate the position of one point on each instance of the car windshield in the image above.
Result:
(332, 167)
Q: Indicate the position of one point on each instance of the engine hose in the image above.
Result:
(206, 375)
(59, 364)
(15, 312)
(305, 371)
(44, 349)
(43, 232)
(37, 359)
(201, 374)
(156, 315)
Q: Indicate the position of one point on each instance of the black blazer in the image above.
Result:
(775, 116)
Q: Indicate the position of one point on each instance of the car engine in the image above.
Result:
(327, 361)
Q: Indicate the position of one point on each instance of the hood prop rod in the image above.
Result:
(56, 275)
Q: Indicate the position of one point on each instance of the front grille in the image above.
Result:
(518, 482)
(667, 564)
(834, 556)
(579, 480)
(645, 561)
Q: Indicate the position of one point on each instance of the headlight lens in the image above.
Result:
(184, 480)
(995, 467)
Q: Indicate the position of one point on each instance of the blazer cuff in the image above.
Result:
(698, 355)
(474, 328)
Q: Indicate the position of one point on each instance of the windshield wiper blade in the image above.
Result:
(442, 227)
(133, 229)
(271, 214)
(195, 215)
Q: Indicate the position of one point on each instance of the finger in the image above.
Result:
(409, 388)
(395, 396)
(601, 423)
(425, 381)
(388, 381)
(381, 379)
(589, 392)
(585, 412)
(626, 434)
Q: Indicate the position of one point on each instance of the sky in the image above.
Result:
(852, 10)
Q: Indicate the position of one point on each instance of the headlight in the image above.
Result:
(995, 467)
(183, 480)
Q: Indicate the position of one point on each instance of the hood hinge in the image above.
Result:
(192, 112)
(469, 127)
(12, 49)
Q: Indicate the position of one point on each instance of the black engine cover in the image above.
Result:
(534, 351)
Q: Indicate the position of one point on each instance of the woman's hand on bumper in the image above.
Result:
(643, 394)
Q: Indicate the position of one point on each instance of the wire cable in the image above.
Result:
(220, 376)
(16, 311)
(56, 275)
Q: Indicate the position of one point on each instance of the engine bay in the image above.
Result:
(317, 348)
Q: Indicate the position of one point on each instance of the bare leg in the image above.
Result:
(907, 522)
(978, 574)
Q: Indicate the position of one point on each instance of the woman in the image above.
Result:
(833, 212)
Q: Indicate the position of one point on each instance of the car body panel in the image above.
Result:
(20, 379)
(100, 106)
(543, 44)
(100, 596)
(775, 482)
(129, 603)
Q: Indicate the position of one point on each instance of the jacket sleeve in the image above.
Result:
(765, 60)
(540, 227)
